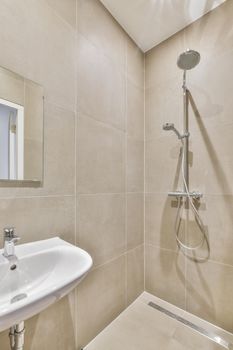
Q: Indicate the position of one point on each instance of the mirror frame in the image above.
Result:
(4, 183)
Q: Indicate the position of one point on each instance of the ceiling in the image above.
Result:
(149, 22)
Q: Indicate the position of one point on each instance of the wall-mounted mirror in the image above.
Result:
(21, 130)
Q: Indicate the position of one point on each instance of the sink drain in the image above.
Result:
(18, 297)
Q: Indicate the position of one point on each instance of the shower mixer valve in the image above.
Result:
(195, 194)
(186, 134)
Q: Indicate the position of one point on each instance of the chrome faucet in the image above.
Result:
(10, 238)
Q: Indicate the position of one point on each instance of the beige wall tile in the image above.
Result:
(135, 111)
(158, 102)
(56, 320)
(135, 64)
(101, 226)
(44, 50)
(212, 159)
(39, 218)
(135, 165)
(59, 150)
(101, 85)
(65, 9)
(212, 104)
(101, 157)
(212, 34)
(100, 298)
(162, 156)
(218, 219)
(216, 212)
(135, 273)
(160, 216)
(160, 62)
(98, 26)
(135, 220)
(209, 292)
(165, 275)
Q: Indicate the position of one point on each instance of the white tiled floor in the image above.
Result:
(141, 327)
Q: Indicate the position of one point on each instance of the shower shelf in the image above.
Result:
(178, 194)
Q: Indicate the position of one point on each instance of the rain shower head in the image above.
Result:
(188, 59)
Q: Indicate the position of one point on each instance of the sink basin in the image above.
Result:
(46, 271)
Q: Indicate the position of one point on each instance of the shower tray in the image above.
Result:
(150, 323)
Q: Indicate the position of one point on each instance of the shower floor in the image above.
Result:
(143, 327)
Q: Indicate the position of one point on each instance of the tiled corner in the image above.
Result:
(135, 273)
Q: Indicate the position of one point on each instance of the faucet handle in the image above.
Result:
(10, 235)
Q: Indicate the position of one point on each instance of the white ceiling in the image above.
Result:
(149, 22)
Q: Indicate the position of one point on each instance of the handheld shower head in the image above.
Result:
(171, 126)
(168, 126)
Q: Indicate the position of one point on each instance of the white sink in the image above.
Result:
(46, 271)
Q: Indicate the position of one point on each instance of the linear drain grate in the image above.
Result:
(215, 338)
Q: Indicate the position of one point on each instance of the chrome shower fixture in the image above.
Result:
(170, 126)
(188, 59)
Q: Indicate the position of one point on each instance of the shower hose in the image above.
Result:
(198, 219)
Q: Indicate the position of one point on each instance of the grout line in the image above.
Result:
(66, 23)
(144, 173)
(109, 193)
(66, 195)
(104, 53)
(178, 251)
(76, 117)
(49, 102)
(94, 268)
(75, 163)
(185, 282)
(34, 197)
(126, 168)
(99, 121)
(124, 254)
(163, 248)
(135, 248)
(110, 59)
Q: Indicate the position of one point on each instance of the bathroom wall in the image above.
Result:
(205, 288)
(40, 45)
(93, 76)
(109, 164)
